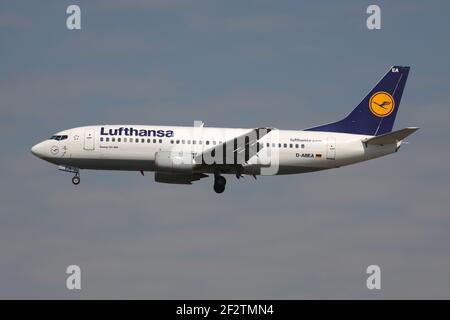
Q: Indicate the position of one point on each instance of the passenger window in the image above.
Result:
(113, 139)
(131, 140)
(124, 139)
(119, 139)
(178, 141)
(207, 142)
(290, 145)
(303, 146)
(296, 146)
(171, 141)
(214, 143)
(193, 141)
(107, 139)
(160, 140)
(285, 145)
(189, 142)
(149, 140)
(279, 145)
(200, 141)
(154, 140)
(273, 145)
(101, 138)
(268, 145)
(182, 141)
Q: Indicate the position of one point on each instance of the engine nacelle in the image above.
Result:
(174, 162)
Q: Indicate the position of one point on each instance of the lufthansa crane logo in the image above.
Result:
(54, 150)
(381, 104)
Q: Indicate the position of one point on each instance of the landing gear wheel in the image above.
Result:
(219, 184)
(76, 180)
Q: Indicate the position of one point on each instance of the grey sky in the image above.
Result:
(234, 64)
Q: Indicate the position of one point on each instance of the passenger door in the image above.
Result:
(89, 139)
(331, 148)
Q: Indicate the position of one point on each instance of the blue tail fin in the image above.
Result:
(375, 115)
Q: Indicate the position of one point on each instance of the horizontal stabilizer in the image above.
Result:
(391, 137)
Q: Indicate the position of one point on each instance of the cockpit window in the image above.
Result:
(58, 138)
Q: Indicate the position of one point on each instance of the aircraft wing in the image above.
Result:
(236, 151)
(391, 137)
(178, 178)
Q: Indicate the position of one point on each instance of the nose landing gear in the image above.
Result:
(76, 178)
(219, 182)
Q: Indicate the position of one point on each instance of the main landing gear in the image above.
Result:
(219, 182)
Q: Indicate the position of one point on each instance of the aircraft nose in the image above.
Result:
(38, 150)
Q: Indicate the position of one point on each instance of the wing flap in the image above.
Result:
(242, 148)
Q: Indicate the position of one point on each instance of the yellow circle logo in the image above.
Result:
(381, 104)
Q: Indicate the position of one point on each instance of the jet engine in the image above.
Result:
(174, 167)
(174, 161)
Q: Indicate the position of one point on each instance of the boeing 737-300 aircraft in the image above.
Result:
(181, 155)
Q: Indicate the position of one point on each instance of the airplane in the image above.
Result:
(182, 155)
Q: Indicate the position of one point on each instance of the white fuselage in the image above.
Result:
(133, 147)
